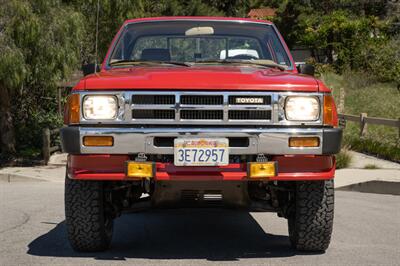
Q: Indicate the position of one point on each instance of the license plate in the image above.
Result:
(201, 151)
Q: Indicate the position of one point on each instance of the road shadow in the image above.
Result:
(212, 234)
(376, 187)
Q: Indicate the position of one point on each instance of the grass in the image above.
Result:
(371, 166)
(381, 148)
(364, 95)
(343, 159)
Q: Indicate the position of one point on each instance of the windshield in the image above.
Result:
(199, 42)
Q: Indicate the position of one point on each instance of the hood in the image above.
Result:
(199, 78)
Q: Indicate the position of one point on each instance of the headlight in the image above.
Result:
(100, 107)
(299, 108)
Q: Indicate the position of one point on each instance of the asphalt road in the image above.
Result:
(32, 231)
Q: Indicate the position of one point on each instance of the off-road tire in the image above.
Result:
(89, 229)
(311, 222)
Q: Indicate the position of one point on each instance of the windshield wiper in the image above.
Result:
(259, 62)
(149, 63)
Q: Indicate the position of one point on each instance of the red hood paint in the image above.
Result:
(198, 78)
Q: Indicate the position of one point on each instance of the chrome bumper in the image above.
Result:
(269, 141)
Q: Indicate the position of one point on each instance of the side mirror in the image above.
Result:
(306, 69)
(88, 69)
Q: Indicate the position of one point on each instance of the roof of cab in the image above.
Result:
(196, 18)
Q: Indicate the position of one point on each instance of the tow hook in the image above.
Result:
(141, 157)
(261, 158)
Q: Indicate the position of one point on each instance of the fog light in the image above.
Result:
(262, 170)
(101, 141)
(140, 169)
(300, 142)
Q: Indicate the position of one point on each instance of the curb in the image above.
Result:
(375, 186)
(5, 177)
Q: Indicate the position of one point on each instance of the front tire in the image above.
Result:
(89, 228)
(311, 222)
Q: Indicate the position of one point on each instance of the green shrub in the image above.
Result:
(382, 60)
(373, 147)
(377, 60)
(371, 166)
(30, 132)
(343, 159)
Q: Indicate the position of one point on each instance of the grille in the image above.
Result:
(202, 99)
(249, 115)
(202, 114)
(153, 114)
(201, 108)
(153, 99)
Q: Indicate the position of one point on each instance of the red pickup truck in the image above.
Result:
(200, 111)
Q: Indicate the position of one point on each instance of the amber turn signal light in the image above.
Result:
(140, 169)
(72, 111)
(300, 142)
(261, 170)
(98, 141)
(329, 105)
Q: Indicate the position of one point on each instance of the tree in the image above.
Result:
(12, 73)
(294, 16)
(341, 29)
(339, 34)
(113, 13)
(39, 45)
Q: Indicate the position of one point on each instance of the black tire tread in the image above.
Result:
(312, 222)
(84, 213)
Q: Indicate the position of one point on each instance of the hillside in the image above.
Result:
(363, 95)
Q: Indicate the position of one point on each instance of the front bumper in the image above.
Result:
(268, 141)
(113, 168)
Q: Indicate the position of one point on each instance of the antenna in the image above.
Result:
(97, 35)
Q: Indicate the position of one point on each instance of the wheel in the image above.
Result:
(311, 221)
(89, 228)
